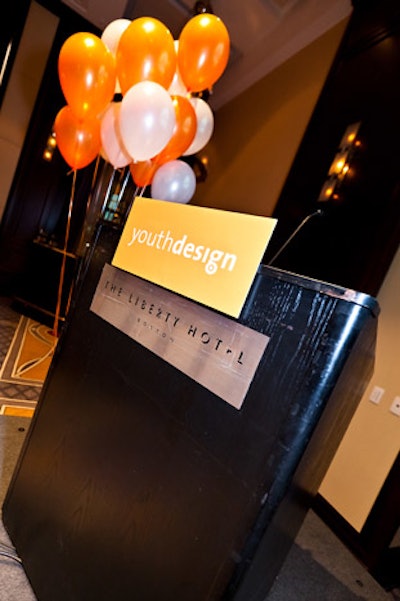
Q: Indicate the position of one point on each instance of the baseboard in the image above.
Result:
(381, 563)
(341, 528)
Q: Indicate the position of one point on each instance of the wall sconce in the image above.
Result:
(50, 147)
(341, 163)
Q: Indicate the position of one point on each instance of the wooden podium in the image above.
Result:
(138, 482)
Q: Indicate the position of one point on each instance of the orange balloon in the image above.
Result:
(143, 172)
(203, 51)
(78, 140)
(87, 73)
(184, 130)
(145, 52)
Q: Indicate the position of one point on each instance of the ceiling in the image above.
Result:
(263, 33)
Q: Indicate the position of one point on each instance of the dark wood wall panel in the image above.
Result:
(354, 240)
(40, 191)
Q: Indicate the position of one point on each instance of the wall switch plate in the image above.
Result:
(395, 406)
(376, 394)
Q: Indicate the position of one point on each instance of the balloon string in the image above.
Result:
(81, 244)
(123, 182)
(64, 257)
(108, 191)
(121, 185)
(139, 191)
(92, 185)
(84, 253)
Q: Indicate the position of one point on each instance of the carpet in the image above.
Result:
(302, 578)
(26, 351)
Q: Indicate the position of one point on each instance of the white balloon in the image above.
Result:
(174, 181)
(205, 126)
(147, 120)
(112, 33)
(111, 36)
(112, 144)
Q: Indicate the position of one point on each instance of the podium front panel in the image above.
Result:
(138, 482)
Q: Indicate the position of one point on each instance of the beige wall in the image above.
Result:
(22, 90)
(372, 441)
(256, 135)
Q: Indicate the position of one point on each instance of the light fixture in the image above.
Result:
(340, 165)
(50, 147)
(349, 138)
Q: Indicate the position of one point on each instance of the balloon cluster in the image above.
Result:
(159, 117)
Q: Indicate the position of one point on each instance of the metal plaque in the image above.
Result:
(215, 351)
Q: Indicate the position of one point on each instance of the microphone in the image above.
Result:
(317, 213)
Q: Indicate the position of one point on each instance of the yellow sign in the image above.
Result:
(208, 255)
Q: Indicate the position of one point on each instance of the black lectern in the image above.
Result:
(138, 482)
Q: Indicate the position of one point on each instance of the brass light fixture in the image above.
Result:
(340, 165)
(50, 147)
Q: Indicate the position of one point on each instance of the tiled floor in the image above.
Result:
(18, 396)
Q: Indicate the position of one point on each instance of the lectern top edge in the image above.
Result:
(342, 293)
